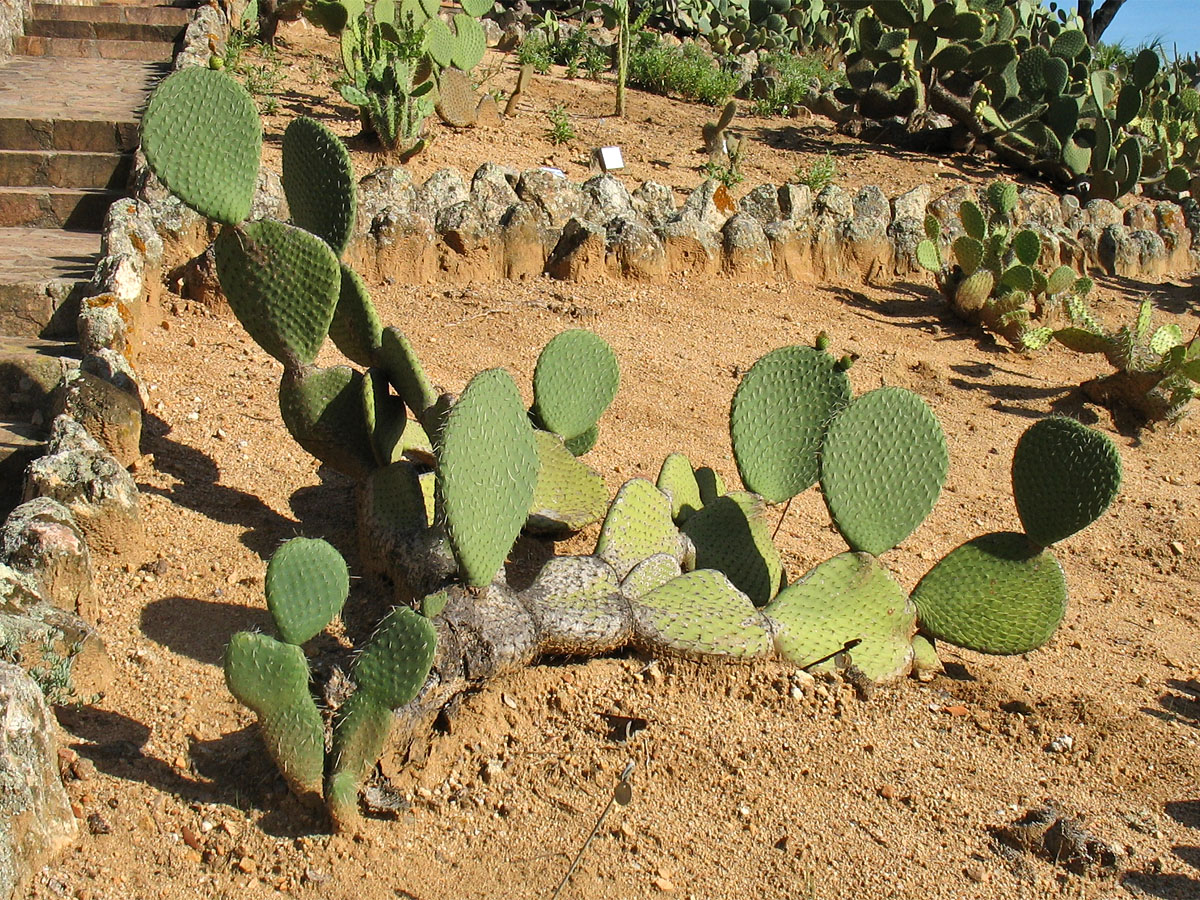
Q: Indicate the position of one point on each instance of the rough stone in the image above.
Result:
(36, 821)
(605, 199)
(655, 201)
(493, 190)
(639, 253)
(18, 590)
(84, 477)
(1103, 213)
(709, 204)
(527, 241)
(115, 369)
(387, 188)
(269, 200)
(580, 254)
(693, 247)
(835, 203)
(199, 281)
(790, 242)
(42, 540)
(110, 415)
(762, 203)
(105, 322)
(745, 245)
(441, 190)
(1037, 208)
(555, 198)
(60, 650)
(1140, 217)
(905, 233)
(945, 209)
(28, 379)
(399, 246)
(912, 203)
(796, 202)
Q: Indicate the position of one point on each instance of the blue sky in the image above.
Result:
(1139, 21)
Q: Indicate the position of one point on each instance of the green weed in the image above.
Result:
(560, 131)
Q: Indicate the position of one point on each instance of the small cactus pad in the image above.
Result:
(778, 419)
(202, 137)
(576, 602)
(677, 480)
(700, 613)
(282, 284)
(638, 526)
(457, 103)
(849, 597)
(569, 495)
(711, 484)
(318, 180)
(271, 678)
(393, 435)
(355, 328)
(882, 468)
(650, 574)
(391, 669)
(399, 500)
(439, 41)
(581, 444)
(323, 411)
(998, 593)
(406, 372)
(731, 536)
(926, 663)
(307, 583)
(574, 381)
(1064, 476)
(487, 474)
(470, 43)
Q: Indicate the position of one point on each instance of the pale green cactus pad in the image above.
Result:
(998, 593)
(650, 574)
(677, 480)
(697, 614)
(574, 381)
(202, 137)
(569, 495)
(392, 667)
(271, 678)
(398, 499)
(282, 284)
(778, 419)
(439, 42)
(638, 526)
(926, 663)
(577, 602)
(469, 42)
(849, 597)
(323, 411)
(1064, 475)
(882, 467)
(710, 483)
(318, 180)
(393, 435)
(487, 474)
(355, 328)
(307, 583)
(406, 372)
(732, 536)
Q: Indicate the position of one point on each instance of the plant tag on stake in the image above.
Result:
(608, 158)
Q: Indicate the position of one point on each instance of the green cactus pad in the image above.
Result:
(926, 663)
(574, 381)
(361, 729)
(271, 678)
(406, 373)
(700, 613)
(439, 41)
(458, 101)
(392, 433)
(711, 484)
(731, 536)
(202, 137)
(1027, 246)
(318, 180)
(882, 468)
(972, 219)
(392, 667)
(569, 495)
(307, 583)
(996, 594)
(323, 411)
(477, 8)
(1064, 476)
(972, 293)
(1061, 279)
(638, 526)
(650, 574)
(581, 444)
(849, 597)
(1002, 197)
(968, 253)
(677, 480)
(577, 603)
(399, 500)
(469, 43)
(282, 284)
(778, 418)
(487, 474)
(928, 256)
(355, 328)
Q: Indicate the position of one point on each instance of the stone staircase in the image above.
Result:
(71, 97)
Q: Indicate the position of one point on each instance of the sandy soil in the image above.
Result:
(750, 782)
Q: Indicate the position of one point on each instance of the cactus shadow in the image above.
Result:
(1010, 395)
(1169, 886)
(1185, 812)
(918, 307)
(1180, 295)
(1180, 704)
(199, 629)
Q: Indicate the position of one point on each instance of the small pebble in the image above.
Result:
(976, 873)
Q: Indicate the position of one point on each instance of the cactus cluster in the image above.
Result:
(681, 566)
(735, 26)
(991, 273)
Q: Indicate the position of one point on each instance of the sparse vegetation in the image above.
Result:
(820, 174)
(561, 131)
(688, 71)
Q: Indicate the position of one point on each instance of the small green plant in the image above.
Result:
(723, 173)
(688, 71)
(561, 131)
(1157, 374)
(791, 79)
(820, 174)
(535, 51)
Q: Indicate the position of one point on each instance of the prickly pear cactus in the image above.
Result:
(731, 535)
(319, 182)
(574, 381)
(307, 582)
(700, 613)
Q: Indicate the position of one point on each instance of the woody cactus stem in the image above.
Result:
(622, 10)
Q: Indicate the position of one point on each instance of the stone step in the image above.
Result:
(65, 168)
(42, 272)
(72, 48)
(114, 12)
(55, 207)
(31, 370)
(104, 31)
(68, 134)
(21, 443)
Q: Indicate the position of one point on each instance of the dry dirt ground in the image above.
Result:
(745, 787)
